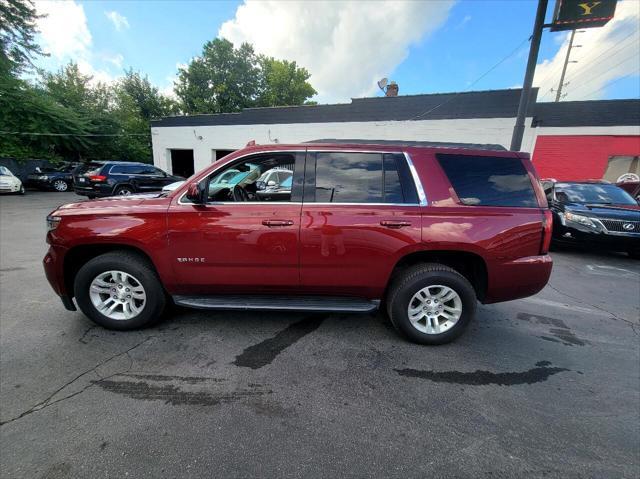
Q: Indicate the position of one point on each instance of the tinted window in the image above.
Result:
(392, 185)
(349, 178)
(489, 181)
(124, 170)
(88, 168)
(593, 194)
(149, 170)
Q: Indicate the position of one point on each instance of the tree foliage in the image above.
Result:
(225, 79)
(17, 31)
(284, 83)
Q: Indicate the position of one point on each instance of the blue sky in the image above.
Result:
(434, 46)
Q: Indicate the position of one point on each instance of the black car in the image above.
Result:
(111, 178)
(52, 178)
(596, 214)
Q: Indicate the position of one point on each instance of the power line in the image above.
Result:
(608, 70)
(588, 65)
(608, 84)
(592, 62)
(474, 82)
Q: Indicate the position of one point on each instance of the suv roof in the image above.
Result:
(428, 144)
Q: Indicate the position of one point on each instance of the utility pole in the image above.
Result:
(518, 129)
(564, 68)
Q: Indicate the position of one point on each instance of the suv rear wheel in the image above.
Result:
(119, 290)
(124, 190)
(431, 304)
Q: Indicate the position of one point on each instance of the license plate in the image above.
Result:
(82, 180)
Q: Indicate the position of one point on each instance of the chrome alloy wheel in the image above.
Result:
(124, 192)
(117, 295)
(435, 309)
(60, 185)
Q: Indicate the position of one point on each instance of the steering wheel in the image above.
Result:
(239, 194)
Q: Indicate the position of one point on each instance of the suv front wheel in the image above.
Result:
(119, 290)
(431, 304)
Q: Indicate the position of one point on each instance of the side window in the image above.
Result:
(349, 178)
(124, 170)
(149, 170)
(392, 186)
(363, 178)
(247, 180)
(489, 181)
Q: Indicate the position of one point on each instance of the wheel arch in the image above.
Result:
(79, 255)
(470, 265)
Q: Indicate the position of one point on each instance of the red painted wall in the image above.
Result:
(578, 157)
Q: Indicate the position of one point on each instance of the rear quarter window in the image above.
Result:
(489, 180)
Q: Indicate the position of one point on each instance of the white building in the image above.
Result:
(184, 144)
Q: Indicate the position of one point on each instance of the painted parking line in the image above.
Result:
(604, 270)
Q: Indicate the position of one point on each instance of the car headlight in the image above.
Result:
(582, 220)
(53, 222)
(44, 177)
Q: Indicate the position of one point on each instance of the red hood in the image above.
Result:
(113, 204)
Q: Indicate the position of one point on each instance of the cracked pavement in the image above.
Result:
(542, 387)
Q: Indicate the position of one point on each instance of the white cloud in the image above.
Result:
(346, 46)
(97, 75)
(607, 54)
(119, 21)
(116, 60)
(64, 31)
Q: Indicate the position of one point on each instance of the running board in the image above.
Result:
(279, 303)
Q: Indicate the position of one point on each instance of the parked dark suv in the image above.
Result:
(594, 213)
(97, 179)
(424, 232)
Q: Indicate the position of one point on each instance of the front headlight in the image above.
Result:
(582, 220)
(44, 177)
(53, 222)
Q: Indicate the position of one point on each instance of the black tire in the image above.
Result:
(91, 197)
(123, 190)
(129, 263)
(634, 253)
(22, 191)
(413, 280)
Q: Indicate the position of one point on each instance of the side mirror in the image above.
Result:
(271, 183)
(195, 193)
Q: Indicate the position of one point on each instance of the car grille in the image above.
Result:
(618, 226)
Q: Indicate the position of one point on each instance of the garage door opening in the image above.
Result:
(222, 153)
(182, 162)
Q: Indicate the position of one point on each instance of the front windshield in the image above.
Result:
(593, 194)
(4, 171)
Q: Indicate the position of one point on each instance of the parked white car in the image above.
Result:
(9, 183)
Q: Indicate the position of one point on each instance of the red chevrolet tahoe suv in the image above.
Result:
(426, 232)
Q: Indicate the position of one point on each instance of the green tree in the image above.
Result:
(284, 83)
(225, 79)
(147, 100)
(72, 89)
(27, 112)
(17, 31)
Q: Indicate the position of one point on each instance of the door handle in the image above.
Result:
(277, 222)
(395, 224)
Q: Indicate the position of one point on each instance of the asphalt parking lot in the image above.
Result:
(543, 387)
